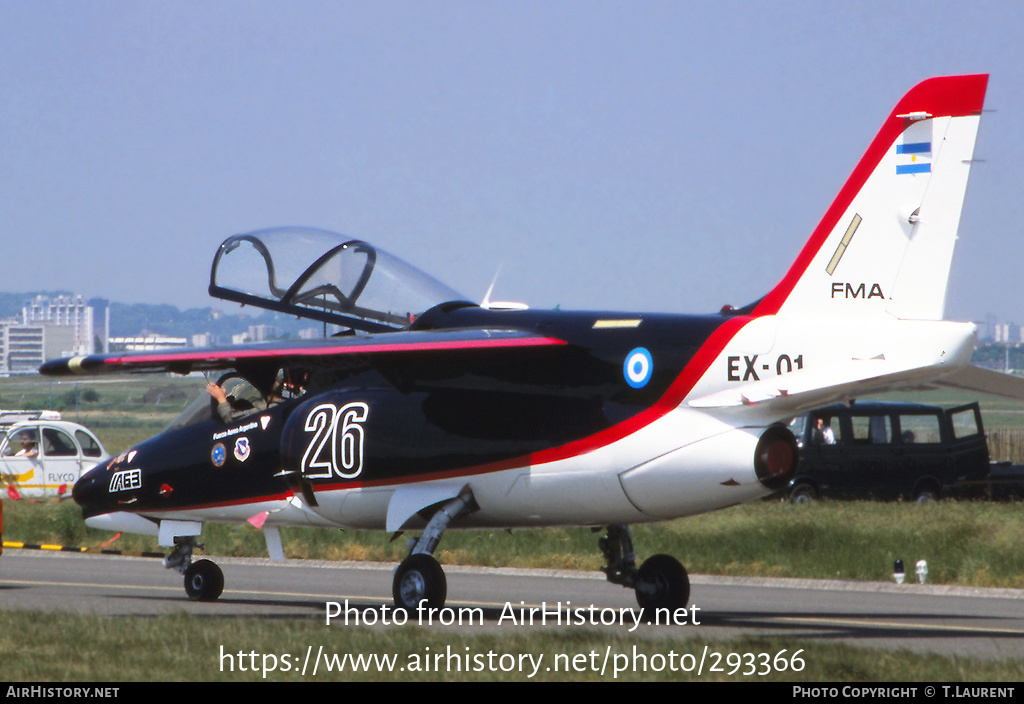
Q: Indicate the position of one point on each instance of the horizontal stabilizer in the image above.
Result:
(804, 390)
(986, 381)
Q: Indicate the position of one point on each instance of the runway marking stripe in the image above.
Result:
(92, 585)
(69, 548)
(892, 624)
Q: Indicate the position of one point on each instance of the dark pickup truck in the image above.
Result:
(889, 451)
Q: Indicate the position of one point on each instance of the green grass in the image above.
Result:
(183, 647)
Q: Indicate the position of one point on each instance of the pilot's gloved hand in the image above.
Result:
(217, 392)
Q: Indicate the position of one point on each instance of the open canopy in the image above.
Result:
(322, 275)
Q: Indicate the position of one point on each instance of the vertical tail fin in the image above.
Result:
(885, 244)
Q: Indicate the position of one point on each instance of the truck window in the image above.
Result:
(825, 430)
(920, 429)
(872, 430)
(965, 423)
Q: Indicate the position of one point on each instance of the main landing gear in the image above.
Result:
(419, 580)
(204, 580)
(660, 582)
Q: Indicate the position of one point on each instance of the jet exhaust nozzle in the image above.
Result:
(776, 457)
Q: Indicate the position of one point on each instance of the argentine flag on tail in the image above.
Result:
(914, 151)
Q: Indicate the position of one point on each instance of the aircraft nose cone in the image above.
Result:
(90, 491)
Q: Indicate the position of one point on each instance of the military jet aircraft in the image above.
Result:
(427, 412)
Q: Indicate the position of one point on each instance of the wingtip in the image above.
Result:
(54, 367)
(67, 366)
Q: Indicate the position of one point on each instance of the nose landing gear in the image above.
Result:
(204, 580)
(419, 580)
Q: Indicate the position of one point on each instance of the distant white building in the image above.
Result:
(1007, 333)
(82, 330)
(205, 339)
(51, 327)
(146, 343)
(261, 333)
(21, 347)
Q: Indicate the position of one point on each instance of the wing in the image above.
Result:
(340, 350)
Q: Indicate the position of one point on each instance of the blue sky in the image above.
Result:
(651, 156)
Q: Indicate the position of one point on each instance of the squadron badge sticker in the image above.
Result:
(242, 449)
(218, 455)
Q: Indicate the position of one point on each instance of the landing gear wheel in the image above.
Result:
(204, 581)
(803, 494)
(419, 579)
(662, 583)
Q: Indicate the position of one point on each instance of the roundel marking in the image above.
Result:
(638, 368)
(218, 455)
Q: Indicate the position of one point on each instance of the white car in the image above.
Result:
(42, 456)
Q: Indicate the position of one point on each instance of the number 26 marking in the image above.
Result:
(336, 448)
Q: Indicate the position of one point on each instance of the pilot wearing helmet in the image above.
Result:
(230, 408)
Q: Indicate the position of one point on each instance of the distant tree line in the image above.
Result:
(999, 356)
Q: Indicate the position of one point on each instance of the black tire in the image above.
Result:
(419, 580)
(662, 583)
(803, 493)
(204, 581)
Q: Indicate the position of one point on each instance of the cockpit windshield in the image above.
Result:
(321, 275)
